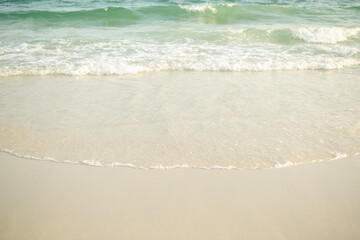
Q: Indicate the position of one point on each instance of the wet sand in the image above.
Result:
(45, 200)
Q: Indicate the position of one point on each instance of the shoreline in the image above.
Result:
(287, 164)
(44, 200)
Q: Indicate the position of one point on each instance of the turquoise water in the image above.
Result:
(120, 37)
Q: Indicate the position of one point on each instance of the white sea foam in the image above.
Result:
(117, 58)
(235, 49)
(283, 165)
(94, 163)
(119, 69)
(199, 7)
(112, 164)
(50, 159)
(116, 164)
(205, 6)
(325, 34)
(338, 155)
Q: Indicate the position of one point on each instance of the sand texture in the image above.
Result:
(44, 200)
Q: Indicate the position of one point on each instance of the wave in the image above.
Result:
(119, 13)
(206, 6)
(310, 34)
(90, 41)
(215, 13)
(325, 34)
(250, 49)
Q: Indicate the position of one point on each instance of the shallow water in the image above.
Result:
(187, 83)
(184, 119)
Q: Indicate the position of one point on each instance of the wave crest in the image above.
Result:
(241, 50)
(325, 34)
(212, 13)
(205, 6)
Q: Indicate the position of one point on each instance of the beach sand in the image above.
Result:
(46, 200)
(127, 120)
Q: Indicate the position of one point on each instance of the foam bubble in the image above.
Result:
(188, 57)
(199, 8)
(94, 163)
(325, 34)
(243, 49)
(204, 7)
(283, 165)
(339, 155)
(112, 164)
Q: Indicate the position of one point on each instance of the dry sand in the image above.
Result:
(45, 200)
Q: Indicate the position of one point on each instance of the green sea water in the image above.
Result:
(119, 37)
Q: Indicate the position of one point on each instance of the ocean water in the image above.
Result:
(110, 37)
(164, 84)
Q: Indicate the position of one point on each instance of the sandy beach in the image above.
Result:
(45, 200)
(179, 120)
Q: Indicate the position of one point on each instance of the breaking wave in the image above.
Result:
(249, 49)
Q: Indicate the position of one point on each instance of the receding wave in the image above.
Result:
(162, 120)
